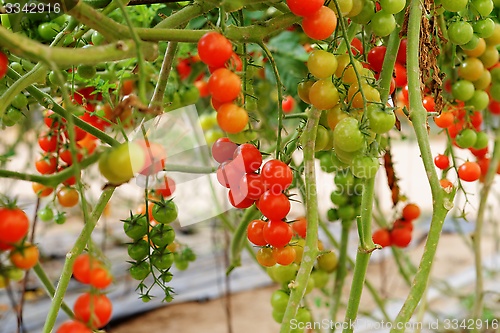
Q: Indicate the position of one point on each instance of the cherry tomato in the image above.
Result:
(93, 309)
(214, 49)
(224, 85)
(442, 161)
(41, 190)
(72, 326)
(300, 226)
(444, 120)
(460, 32)
(165, 212)
(382, 237)
(4, 63)
(320, 24)
(401, 237)
(251, 186)
(265, 257)
(247, 157)
(347, 135)
(383, 23)
(376, 57)
(328, 262)
(232, 118)
(166, 188)
(68, 197)
(274, 206)
(469, 171)
(401, 56)
(47, 164)
(304, 8)
(25, 257)
(288, 104)
(277, 233)
(411, 212)
(284, 255)
(255, 232)
(323, 94)
(322, 64)
(14, 225)
(239, 200)
(83, 266)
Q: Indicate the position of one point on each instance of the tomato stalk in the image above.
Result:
(166, 66)
(49, 287)
(477, 308)
(442, 201)
(71, 256)
(240, 236)
(312, 216)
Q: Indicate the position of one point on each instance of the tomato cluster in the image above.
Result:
(224, 85)
(400, 234)
(92, 309)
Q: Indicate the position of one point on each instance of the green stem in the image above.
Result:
(279, 85)
(311, 245)
(341, 272)
(79, 246)
(239, 237)
(166, 66)
(477, 309)
(65, 57)
(49, 288)
(189, 168)
(365, 249)
(442, 201)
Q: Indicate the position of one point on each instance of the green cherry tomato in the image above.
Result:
(321, 138)
(140, 270)
(481, 8)
(322, 64)
(165, 212)
(393, 6)
(46, 214)
(454, 5)
(328, 262)
(347, 135)
(462, 90)
(366, 13)
(138, 250)
(20, 101)
(86, 72)
(383, 23)
(320, 278)
(60, 218)
(282, 274)
(481, 140)
(479, 100)
(460, 32)
(136, 226)
(466, 138)
(365, 166)
(48, 30)
(162, 259)
(14, 115)
(279, 300)
(381, 121)
(484, 28)
(97, 38)
(162, 235)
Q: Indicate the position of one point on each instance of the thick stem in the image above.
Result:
(477, 309)
(341, 272)
(365, 249)
(49, 288)
(311, 245)
(442, 201)
(166, 66)
(71, 256)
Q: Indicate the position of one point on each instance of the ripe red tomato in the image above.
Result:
(229, 174)
(411, 212)
(83, 266)
(444, 120)
(100, 278)
(288, 104)
(66, 156)
(320, 24)
(376, 57)
(402, 223)
(223, 150)
(494, 107)
(251, 186)
(401, 57)
(304, 8)
(428, 103)
(224, 85)
(239, 200)
(46, 165)
(274, 206)
(4, 63)
(14, 225)
(25, 257)
(247, 157)
(276, 175)
(382, 237)
(93, 309)
(469, 171)
(48, 141)
(356, 46)
(41, 190)
(72, 326)
(214, 49)
(183, 67)
(202, 87)
(300, 226)
(277, 233)
(400, 75)
(442, 161)
(255, 232)
(401, 237)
